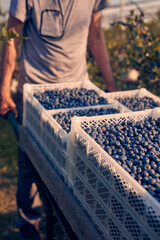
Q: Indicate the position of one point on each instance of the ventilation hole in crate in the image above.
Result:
(89, 199)
(93, 158)
(114, 231)
(112, 121)
(136, 202)
(106, 172)
(92, 179)
(103, 192)
(91, 150)
(145, 237)
(117, 209)
(80, 166)
(120, 185)
(153, 220)
(84, 125)
(132, 227)
(79, 185)
(82, 144)
(101, 214)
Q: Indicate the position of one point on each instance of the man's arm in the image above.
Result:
(99, 50)
(8, 60)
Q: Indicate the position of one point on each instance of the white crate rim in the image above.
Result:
(142, 92)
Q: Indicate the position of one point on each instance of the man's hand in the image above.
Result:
(6, 105)
(99, 50)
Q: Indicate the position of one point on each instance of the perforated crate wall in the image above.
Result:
(47, 133)
(130, 205)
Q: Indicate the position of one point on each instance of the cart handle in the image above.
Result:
(14, 123)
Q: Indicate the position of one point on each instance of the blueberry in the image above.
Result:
(129, 164)
(66, 98)
(134, 169)
(153, 165)
(146, 160)
(152, 181)
(145, 174)
(158, 170)
(137, 103)
(151, 172)
(146, 167)
(138, 177)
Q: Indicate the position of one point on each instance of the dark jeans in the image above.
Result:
(28, 202)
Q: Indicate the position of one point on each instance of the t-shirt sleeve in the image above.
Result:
(19, 9)
(100, 5)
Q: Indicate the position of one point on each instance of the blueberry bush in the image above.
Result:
(4, 35)
(134, 44)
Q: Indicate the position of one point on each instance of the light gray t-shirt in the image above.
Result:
(58, 30)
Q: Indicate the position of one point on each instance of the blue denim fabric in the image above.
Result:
(28, 202)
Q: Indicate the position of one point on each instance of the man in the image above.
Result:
(55, 51)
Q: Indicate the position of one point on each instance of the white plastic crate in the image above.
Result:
(40, 88)
(142, 92)
(134, 212)
(46, 131)
(50, 135)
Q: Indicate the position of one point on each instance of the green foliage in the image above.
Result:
(4, 35)
(142, 51)
(133, 45)
(7, 36)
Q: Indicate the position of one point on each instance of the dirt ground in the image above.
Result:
(8, 187)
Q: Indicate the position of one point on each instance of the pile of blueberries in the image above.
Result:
(135, 146)
(64, 118)
(138, 104)
(69, 98)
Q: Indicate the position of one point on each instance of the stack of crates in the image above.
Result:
(47, 132)
(118, 206)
